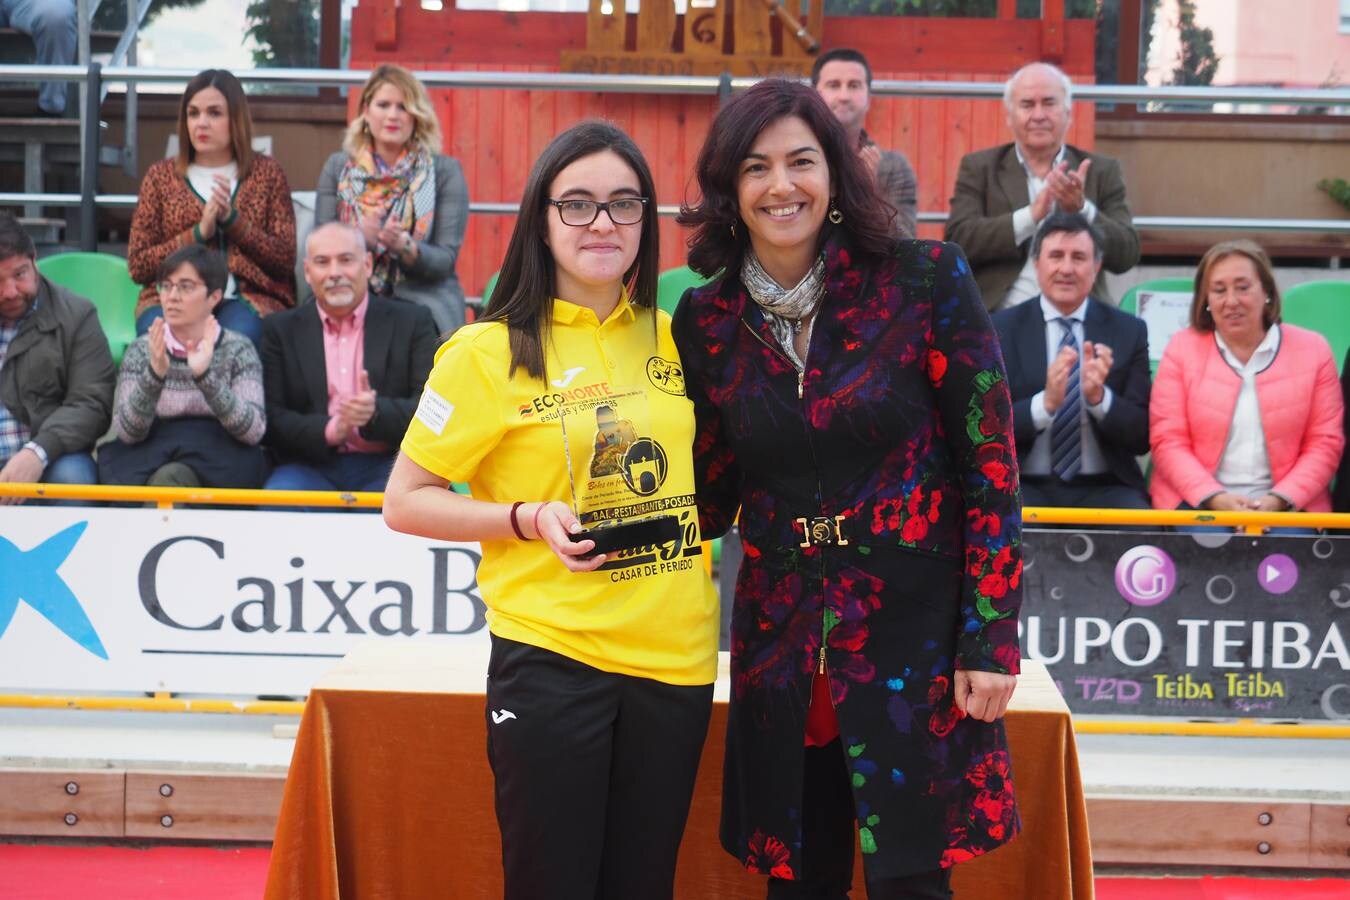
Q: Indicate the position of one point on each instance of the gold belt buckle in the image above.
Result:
(822, 530)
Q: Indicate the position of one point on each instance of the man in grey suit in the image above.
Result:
(1005, 192)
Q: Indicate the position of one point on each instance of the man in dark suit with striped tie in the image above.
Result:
(1079, 377)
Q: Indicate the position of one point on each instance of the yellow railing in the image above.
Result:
(167, 497)
(1031, 515)
(1249, 522)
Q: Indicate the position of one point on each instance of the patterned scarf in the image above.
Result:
(785, 308)
(402, 195)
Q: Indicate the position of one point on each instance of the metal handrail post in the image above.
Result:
(89, 160)
(130, 127)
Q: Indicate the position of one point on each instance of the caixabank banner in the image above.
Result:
(1204, 625)
(217, 601)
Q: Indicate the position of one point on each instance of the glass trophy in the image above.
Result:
(615, 470)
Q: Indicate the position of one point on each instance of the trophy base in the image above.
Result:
(656, 530)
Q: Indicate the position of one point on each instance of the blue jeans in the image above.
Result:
(235, 315)
(51, 24)
(348, 472)
(73, 468)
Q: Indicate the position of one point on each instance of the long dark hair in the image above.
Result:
(523, 296)
(720, 237)
(241, 123)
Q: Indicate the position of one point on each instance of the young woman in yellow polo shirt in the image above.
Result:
(600, 676)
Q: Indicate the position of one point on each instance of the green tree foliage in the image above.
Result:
(285, 33)
(1337, 189)
(1197, 62)
(112, 14)
(968, 9)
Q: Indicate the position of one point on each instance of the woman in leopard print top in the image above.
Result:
(219, 193)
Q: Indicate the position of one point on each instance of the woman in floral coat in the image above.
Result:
(852, 405)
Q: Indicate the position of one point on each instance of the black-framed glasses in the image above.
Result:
(580, 213)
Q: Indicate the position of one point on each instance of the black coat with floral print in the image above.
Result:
(902, 425)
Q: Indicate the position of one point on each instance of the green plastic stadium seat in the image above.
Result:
(104, 280)
(1324, 307)
(487, 288)
(672, 284)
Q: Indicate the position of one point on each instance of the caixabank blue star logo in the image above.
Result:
(31, 576)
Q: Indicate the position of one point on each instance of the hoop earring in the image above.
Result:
(733, 231)
(834, 215)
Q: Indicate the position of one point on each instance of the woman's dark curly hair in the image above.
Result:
(713, 248)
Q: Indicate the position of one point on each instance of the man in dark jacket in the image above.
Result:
(1078, 374)
(342, 376)
(56, 372)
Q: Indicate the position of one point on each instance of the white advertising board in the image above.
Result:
(1165, 313)
(216, 601)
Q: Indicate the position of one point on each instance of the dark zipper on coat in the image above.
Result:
(815, 464)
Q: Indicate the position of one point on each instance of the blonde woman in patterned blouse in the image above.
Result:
(410, 201)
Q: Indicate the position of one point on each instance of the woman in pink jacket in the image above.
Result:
(1246, 412)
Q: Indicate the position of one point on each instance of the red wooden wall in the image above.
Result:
(496, 134)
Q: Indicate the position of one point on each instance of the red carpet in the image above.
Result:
(121, 873)
(206, 873)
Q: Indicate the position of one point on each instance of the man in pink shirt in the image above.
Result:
(343, 375)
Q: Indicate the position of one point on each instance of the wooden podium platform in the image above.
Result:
(390, 795)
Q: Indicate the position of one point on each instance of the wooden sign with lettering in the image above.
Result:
(655, 25)
(752, 27)
(623, 63)
(706, 50)
(704, 25)
(605, 25)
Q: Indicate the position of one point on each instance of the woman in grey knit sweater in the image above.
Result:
(189, 403)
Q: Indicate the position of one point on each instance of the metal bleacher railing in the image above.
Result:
(95, 76)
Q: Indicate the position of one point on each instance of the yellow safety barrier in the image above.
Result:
(1239, 728)
(1031, 515)
(155, 704)
(170, 496)
(1249, 522)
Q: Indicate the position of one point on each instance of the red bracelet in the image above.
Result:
(536, 518)
(514, 525)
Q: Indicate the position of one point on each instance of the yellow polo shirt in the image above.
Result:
(651, 613)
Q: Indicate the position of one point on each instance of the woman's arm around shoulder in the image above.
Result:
(717, 476)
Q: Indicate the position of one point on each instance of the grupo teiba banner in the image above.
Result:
(1191, 625)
